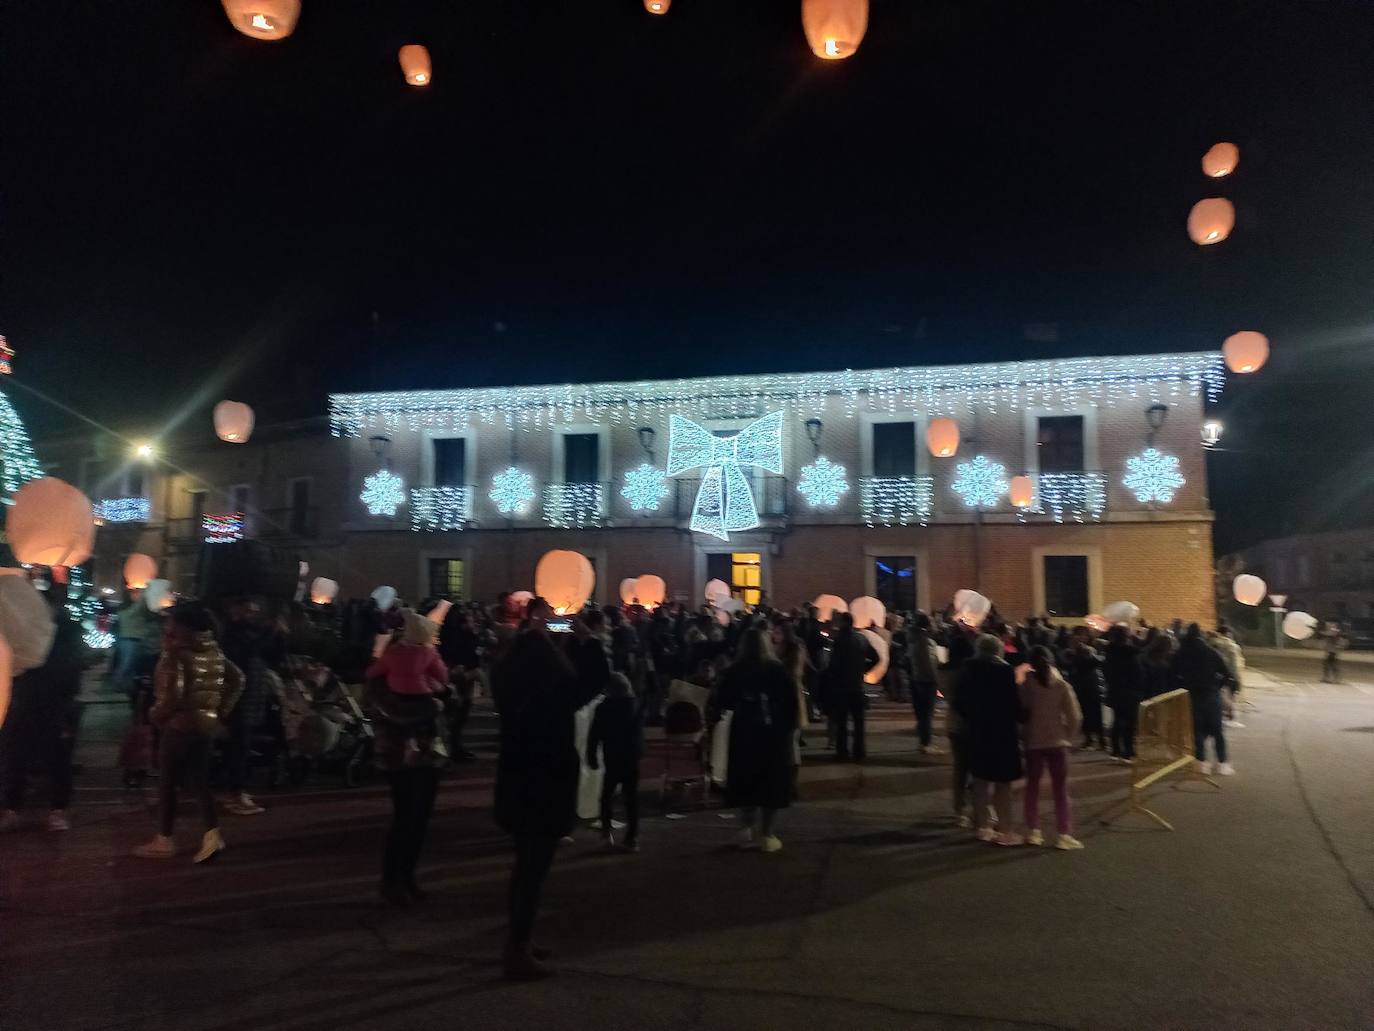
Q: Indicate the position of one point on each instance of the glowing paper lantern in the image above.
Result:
(716, 592)
(1249, 589)
(962, 595)
(6, 678)
(233, 422)
(1245, 351)
(1122, 612)
(834, 28)
(942, 437)
(974, 610)
(652, 590)
(875, 675)
(722, 617)
(1101, 624)
(1211, 220)
(1299, 625)
(385, 597)
(323, 590)
(629, 590)
(25, 624)
(138, 570)
(1220, 160)
(868, 612)
(415, 64)
(51, 523)
(158, 595)
(1022, 491)
(565, 580)
(657, 6)
(264, 19)
(827, 605)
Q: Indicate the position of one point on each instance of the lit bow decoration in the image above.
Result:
(724, 500)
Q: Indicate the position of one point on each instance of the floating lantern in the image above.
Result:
(1220, 160)
(138, 570)
(415, 64)
(565, 580)
(26, 624)
(264, 19)
(1249, 589)
(385, 597)
(323, 590)
(942, 437)
(657, 6)
(652, 590)
(1299, 625)
(1211, 220)
(827, 605)
(158, 595)
(1022, 491)
(868, 612)
(6, 678)
(972, 608)
(1245, 351)
(629, 590)
(716, 592)
(1122, 612)
(50, 523)
(834, 28)
(233, 422)
(1101, 624)
(876, 674)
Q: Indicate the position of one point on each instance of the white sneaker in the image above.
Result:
(57, 820)
(963, 822)
(1204, 767)
(932, 750)
(244, 806)
(1067, 843)
(211, 845)
(985, 834)
(1035, 837)
(1226, 770)
(160, 847)
(746, 839)
(9, 821)
(772, 843)
(1009, 839)
(1233, 724)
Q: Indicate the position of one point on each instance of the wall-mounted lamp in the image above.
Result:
(1155, 417)
(647, 436)
(813, 433)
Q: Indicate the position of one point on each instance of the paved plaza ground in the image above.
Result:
(1256, 912)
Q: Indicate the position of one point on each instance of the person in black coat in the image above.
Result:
(1082, 668)
(618, 730)
(1125, 685)
(1198, 668)
(851, 656)
(763, 699)
(538, 692)
(989, 707)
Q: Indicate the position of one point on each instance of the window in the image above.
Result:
(133, 482)
(298, 511)
(450, 461)
(446, 577)
(1060, 442)
(894, 449)
(746, 577)
(580, 458)
(894, 582)
(1066, 585)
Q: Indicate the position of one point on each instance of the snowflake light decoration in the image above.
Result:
(644, 488)
(1152, 476)
(822, 483)
(383, 493)
(511, 491)
(980, 483)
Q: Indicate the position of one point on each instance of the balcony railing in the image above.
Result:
(569, 506)
(1079, 496)
(770, 498)
(437, 509)
(900, 500)
(123, 510)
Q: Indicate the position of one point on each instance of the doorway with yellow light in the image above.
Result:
(742, 570)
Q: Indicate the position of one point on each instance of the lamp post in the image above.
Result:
(1276, 603)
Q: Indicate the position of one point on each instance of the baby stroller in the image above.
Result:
(324, 727)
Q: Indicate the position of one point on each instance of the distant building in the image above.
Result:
(785, 485)
(1330, 575)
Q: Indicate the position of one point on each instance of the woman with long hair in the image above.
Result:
(1052, 719)
(763, 699)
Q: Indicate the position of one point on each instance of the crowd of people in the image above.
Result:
(1018, 698)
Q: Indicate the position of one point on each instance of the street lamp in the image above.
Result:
(145, 451)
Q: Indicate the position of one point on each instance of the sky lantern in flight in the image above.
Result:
(1220, 160)
(565, 580)
(1211, 220)
(139, 570)
(264, 19)
(1245, 351)
(1022, 491)
(415, 64)
(657, 6)
(50, 523)
(942, 437)
(233, 422)
(834, 28)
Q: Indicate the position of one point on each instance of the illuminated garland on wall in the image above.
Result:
(222, 529)
(383, 493)
(644, 488)
(440, 508)
(980, 483)
(822, 483)
(934, 390)
(1079, 495)
(84, 606)
(900, 500)
(574, 505)
(1152, 476)
(123, 510)
(512, 490)
(18, 463)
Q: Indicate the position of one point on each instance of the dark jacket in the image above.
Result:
(925, 661)
(196, 688)
(537, 692)
(763, 699)
(1197, 667)
(1121, 668)
(989, 706)
(1083, 670)
(618, 728)
(851, 657)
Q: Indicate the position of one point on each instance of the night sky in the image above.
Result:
(590, 192)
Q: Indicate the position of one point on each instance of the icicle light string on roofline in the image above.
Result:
(937, 390)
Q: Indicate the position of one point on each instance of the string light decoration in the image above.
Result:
(934, 390)
(981, 482)
(440, 508)
(724, 501)
(1152, 476)
(85, 606)
(574, 505)
(512, 491)
(6, 357)
(123, 510)
(18, 463)
(900, 500)
(822, 483)
(644, 488)
(383, 493)
(1080, 496)
(222, 528)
